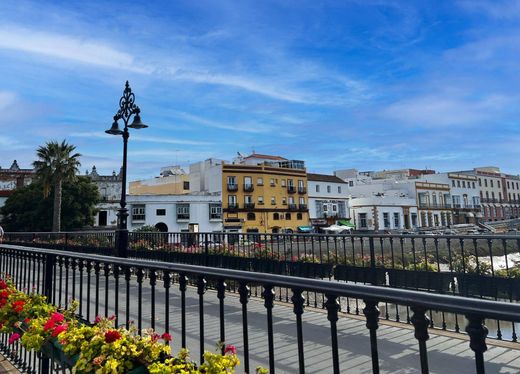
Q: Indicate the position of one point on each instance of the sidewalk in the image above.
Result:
(6, 366)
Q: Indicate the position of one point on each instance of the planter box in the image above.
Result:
(235, 262)
(419, 279)
(484, 285)
(359, 274)
(269, 266)
(310, 270)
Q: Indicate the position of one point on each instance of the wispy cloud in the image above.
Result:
(141, 138)
(499, 9)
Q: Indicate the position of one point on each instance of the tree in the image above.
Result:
(28, 210)
(56, 164)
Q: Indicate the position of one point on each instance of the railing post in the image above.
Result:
(50, 261)
(298, 305)
(333, 307)
(371, 312)
(421, 323)
(206, 250)
(269, 295)
(244, 292)
(477, 332)
(373, 275)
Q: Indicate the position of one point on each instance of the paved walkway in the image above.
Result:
(6, 366)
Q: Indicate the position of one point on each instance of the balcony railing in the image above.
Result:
(141, 290)
(303, 207)
(291, 189)
(293, 207)
(232, 187)
(302, 190)
(249, 205)
(249, 188)
(232, 207)
(427, 205)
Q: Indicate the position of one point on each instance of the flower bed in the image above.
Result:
(99, 348)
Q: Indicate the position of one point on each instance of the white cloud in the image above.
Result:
(61, 46)
(499, 9)
(6, 99)
(140, 138)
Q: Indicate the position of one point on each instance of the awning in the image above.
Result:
(479, 215)
(469, 214)
(344, 222)
(305, 228)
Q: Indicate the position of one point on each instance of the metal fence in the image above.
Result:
(131, 288)
(480, 266)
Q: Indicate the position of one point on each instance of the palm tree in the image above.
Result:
(56, 163)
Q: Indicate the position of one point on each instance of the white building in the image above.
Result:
(109, 187)
(384, 212)
(328, 198)
(173, 213)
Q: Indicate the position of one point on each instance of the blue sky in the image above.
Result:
(340, 84)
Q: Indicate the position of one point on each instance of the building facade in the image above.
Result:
(262, 193)
(110, 188)
(12, 179)
(328, 198)
(173, 180)
(382, 213)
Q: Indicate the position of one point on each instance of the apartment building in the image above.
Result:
(264, 193)
(13, 178)
(328, 199)
(109, 187)
(172, 180)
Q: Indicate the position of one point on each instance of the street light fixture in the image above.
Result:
(127, 109)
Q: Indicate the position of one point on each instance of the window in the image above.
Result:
(362, 220)
(414, 219)
(491, 182)
(328, 189)
(386, 221)
(291, 200)
(456, 201)
(480, 182)
(276, 216)
(283, 182)
(485, 182)
(251, 216)
(299, 216)
(260, 181)
(396, 221)
(339, 189)
(287, 216)
(473, 184)
(273, 201)
(317, 188)
(271, 182)
(487, 194)
(302, 200)
(248, 182)
(290, 183)
(232, 181)
(458, 183)
(183, 212)
(215, 211)
(508, 184)
(260, 200)
(493, 194)
(351, 183)
(138, 213)
(325, 207)
(498, 184)
(186, 185)
(232, 200)
(464, 184)
(284, 201)
(517, 185)
(334, 208)
(453, 183)
(300, 183)
(248, 199)
(160, 212)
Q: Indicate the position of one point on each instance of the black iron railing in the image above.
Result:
(479, 266)
(129, 289)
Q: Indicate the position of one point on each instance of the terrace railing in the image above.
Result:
(129, 288)
(479, 266)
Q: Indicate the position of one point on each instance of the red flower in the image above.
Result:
(59, 329)
(49, 325)
(14, 337)
(166, 337)
(4, 294)
(112, 335)
(18, 306)
(57, 317)
(3, 285)
(230, 348)
(27, 320)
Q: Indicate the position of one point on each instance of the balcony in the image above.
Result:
(293, 207)
(232, 207)
(232, 187)
(249, 188)
(302, 190)
(291, 189)
(303, 207)
(426, 205)
(249, 206)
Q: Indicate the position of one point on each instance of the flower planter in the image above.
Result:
(419, 279)
(235, 262)
(269, 266)
(310, 270)
(359, 274)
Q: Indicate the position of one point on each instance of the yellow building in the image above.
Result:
(264, 194)
(173, 181)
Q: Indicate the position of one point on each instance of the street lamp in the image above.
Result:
(127, 109)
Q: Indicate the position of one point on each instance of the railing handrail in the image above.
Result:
(299, 235)
(429, 301)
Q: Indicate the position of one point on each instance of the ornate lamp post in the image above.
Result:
(127, 109)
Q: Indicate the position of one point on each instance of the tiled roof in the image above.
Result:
(324, 178)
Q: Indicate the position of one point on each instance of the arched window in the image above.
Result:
(299, 216)
(288, 216)
(251, 216)
(276, 216)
